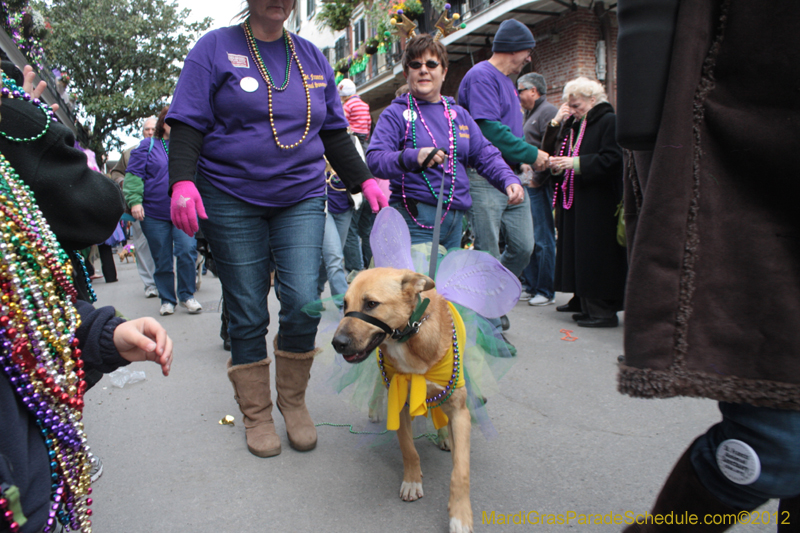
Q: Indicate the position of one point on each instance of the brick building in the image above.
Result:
(577, 38)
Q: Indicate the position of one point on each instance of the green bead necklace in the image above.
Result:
(12, 90)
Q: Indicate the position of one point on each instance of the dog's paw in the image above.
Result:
(443, 439)
(456, 526)
(374, 416)
(410, 491)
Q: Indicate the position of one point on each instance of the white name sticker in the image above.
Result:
(249, 85)
(738, 461)
(410, 115)
(239, 61)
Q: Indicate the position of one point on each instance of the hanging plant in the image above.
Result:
(343, 65)
(334, 15)
(371, 46)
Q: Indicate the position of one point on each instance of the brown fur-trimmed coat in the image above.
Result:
(713, 293)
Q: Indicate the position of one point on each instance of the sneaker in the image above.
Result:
(351, 276)
(150, 292)
(167, 309)
(193, 306)
(541, 299)
(525, 295)
(96, 469)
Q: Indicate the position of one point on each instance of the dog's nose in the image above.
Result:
(340, 343)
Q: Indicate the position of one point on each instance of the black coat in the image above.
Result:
(589, 262)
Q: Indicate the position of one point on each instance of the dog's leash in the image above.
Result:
(430, 436)
(437, 221)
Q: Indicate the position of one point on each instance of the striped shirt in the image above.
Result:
(356, 111)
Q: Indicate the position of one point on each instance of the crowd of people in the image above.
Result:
(283, 177)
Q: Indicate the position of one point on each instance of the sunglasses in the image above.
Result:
(416, 65)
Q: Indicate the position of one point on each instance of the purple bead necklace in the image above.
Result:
(568, 185)
(437, 399)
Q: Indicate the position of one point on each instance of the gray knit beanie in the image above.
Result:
(513, 36)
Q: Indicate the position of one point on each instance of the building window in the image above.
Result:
(359, 32)
(342, 48)
(311, 6)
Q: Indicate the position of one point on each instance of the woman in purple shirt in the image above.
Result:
(145, 186)
(412, 128)
(253, 113)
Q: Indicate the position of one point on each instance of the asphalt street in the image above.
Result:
(567, 441)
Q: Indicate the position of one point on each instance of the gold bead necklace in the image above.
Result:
(262, 68)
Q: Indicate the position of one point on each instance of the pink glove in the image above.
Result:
(372, 192)
(185, 207)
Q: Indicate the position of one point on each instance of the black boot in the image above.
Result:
(683, 494)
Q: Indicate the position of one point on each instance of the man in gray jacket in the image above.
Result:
(538, 278)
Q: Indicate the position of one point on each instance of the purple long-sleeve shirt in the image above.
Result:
(392, 155)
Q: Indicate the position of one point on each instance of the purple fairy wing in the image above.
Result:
(478, 281)
(390, 240)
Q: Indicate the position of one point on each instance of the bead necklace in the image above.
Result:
(452, 160)
(437, 399)
(12, 90)
(39, 353)
(164, 144)
(85, 271)
(568, 185)
(262, 68)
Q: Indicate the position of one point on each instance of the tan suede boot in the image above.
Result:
(252, 393)
(292, 371)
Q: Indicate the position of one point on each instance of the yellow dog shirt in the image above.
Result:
(441, 374)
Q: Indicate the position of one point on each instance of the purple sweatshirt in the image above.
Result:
(391, 149)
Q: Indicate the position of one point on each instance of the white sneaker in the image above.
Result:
(541, 299)
(167, 309)
(193, 306)
(150, 292)
(525, 295)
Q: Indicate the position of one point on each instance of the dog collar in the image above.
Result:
(400, 335)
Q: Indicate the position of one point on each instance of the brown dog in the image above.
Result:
(390, 296)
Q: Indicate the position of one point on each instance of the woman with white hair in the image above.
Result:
(587, 166)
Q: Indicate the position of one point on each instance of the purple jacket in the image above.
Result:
(392, 154)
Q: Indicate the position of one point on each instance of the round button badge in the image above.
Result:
(249, 84)
(738, 461)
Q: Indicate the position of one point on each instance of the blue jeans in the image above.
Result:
(359, 255)
(449, 234)
(773, 434)
(490, 214)
(332, 268)
(539, 276)
(244, 237)
(165, 240)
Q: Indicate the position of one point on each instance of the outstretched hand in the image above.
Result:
(28, 75)
(144, 339)
(185, 206)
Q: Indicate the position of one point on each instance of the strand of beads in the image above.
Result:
(568, 185)
(451, 168)
(11, 90)
(444, 395)
(166, 147)
(291, 53)
(38, 348)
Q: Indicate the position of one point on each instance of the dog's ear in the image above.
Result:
(419, 282)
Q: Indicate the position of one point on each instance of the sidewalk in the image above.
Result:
(568, 441)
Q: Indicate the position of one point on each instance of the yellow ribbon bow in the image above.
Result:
(441, 373)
